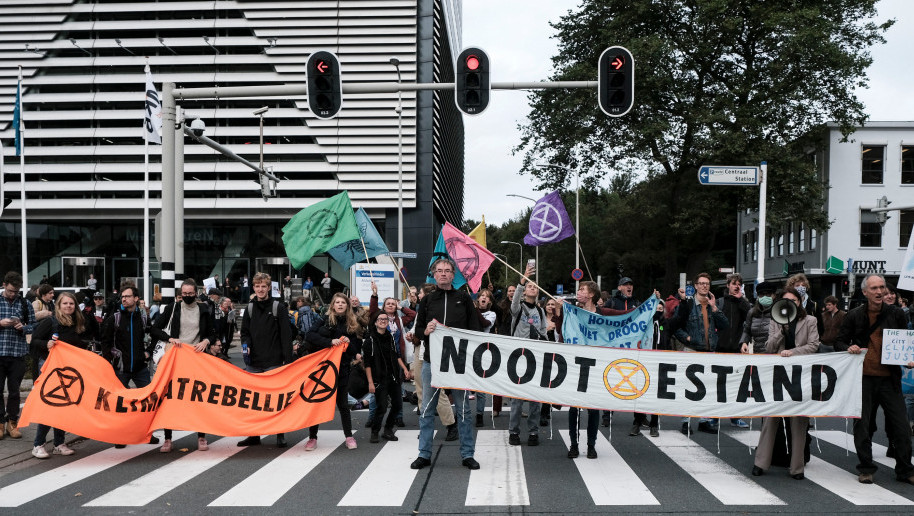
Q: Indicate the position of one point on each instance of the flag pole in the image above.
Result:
(365, 250)
(146, 285)
(528, 279)
(21, 149)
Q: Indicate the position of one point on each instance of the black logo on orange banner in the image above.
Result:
(321, 383)
(626, 379)
(62, 387)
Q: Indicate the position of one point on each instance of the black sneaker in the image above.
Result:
(153, 440)
(544, 421)
(514, 440)
(573, 452)
(470, 463)
(591, 452)
(389, 435)
(636, 430)
(374, 438)
(533, 440)
(399, 422)
(119, 446)
(707, 428)
(479, 421)
(280, 440)
(420, 463)
(685, 429)
(452, 434)
(655, 431)
(254, 440)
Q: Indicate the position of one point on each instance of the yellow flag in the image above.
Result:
(479, 232)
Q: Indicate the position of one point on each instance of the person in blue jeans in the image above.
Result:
(455, 309)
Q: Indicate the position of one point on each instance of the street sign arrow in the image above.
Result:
(321, 66)
(724, 175)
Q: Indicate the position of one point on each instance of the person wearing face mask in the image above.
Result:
(755, 329)
(801, 284)
(185, 322)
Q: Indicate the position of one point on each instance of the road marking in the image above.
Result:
(387, 479)
(501, 480)
(156, 483)
(58, 478)
(278, 476)
(837, 480)
(622, 487)
(845, 441)
(720, 479)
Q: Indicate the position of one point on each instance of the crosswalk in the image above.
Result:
(629, 471)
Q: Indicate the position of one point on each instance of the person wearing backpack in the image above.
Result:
(528, 322)
(307, 319)
(66, 324)
(396, 327)
(267, 336)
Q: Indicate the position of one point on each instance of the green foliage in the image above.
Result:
(730, 82)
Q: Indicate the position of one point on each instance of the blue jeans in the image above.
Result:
(533, 416)
(481, 402)
(462, 413)
(909, 405)
(140, 378)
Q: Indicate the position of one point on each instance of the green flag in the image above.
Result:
(318, 228)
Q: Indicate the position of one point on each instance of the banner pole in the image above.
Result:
(558, 300)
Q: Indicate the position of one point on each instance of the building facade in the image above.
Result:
(876, 162)
(83, 104)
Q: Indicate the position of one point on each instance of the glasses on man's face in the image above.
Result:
(383, 319)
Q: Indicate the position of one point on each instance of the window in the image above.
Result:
(747, 245)
(906, 223)
(907, 164)
(802, 237)
(754, 245)
(812, 239)
(873, 163)
(790, 237)
(870, 230)
(781, 243)
(771, 246)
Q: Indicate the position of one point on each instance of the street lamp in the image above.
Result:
(396, 62)
(537, 248)
(521, 267)
(577, 214)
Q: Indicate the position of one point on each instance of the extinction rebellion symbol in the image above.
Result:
(626, 379)
(62, 387)
(321, 383)
(547, 217)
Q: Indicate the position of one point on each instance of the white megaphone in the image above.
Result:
(784, 311)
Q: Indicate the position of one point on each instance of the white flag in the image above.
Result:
(906, 278)
(153, 122)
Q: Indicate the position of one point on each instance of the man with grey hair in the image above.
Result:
(454, 309)
(862, 330)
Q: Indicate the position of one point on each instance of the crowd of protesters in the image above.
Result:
(386, 346)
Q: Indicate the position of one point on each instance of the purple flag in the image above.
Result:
(549, 222)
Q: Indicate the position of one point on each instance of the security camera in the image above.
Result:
(261, 110)
(198, 127)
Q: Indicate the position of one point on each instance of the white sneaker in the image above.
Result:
(39, 452)
(63, 449)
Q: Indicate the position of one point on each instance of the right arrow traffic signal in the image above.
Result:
(325, 89)
(471, 81)
(616, 81)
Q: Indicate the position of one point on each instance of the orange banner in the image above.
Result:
(79, 392)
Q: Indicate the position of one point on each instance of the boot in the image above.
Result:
(452, 433)
(13, 430)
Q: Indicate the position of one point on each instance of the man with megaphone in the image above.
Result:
(791, 332)
(862, 330)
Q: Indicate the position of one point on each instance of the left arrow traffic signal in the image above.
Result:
(325, 88)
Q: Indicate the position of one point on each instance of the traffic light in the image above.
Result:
(616, 81)
(471, 81)
(325, 88)
(881, 203)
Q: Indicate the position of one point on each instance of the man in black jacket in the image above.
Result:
(862, 330)
(454, 309)
(267, 333)
(735, 308)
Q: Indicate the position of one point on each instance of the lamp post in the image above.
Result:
(577, 215)
(396, 62)
(536, 248)
(521, 267)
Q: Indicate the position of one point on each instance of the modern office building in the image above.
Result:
(83, 92)
(877, 162)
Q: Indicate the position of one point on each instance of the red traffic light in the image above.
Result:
(472, 62)
(322, 66)
(618, 62)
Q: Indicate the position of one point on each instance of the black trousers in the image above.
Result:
(384, 390)
(593, 425)
(12, 370)
(883, 391)
(342, 405)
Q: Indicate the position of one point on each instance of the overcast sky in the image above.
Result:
(518, 39)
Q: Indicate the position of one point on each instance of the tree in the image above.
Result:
(730, 82)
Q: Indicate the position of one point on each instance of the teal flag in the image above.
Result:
(17, 116)
(441, 252)
(319, 228)
(351, 252)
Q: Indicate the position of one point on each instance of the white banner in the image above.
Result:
(906, 278)
(649, 381)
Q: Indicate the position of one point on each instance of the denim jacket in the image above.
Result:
(692, 326)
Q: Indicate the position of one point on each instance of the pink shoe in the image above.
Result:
(166, 446)
(202, 445)
(350, 443)
(311, 445)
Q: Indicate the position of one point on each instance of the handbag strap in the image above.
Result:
(171, 317)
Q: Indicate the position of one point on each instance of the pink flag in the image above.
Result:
(472, 259)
